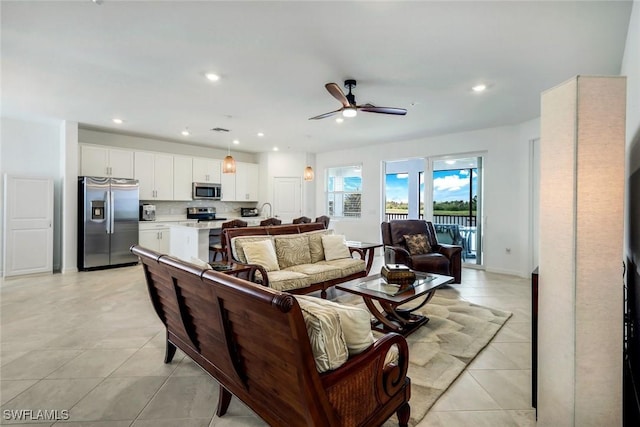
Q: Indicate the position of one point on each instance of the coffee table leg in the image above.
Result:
(408, 312)
(381, 317)
(394, 319)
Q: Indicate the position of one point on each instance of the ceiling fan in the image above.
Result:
(349, 106)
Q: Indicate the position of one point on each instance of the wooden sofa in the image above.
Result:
(442, 259)
(349, 269)
(254, 342)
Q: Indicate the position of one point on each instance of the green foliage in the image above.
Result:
(456, 205)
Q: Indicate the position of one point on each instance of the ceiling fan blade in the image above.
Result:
(322, 116)
(385, 110)
(337, 93)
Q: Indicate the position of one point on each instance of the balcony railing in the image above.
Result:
(463, 220)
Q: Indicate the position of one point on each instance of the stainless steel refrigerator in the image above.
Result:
(107, 221)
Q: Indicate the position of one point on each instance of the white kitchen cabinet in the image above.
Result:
(104, 161)
(228, 185)
(241, 186)
(154, 173)
(182, 177)
(247, 175)
(155, 236)
(206, 170)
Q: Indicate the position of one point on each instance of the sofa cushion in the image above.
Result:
(326, 336)
(417, 244)
(318, 272)
(347, 266)
(285, 280)
(263, 253)
(335, 247)
(316, 249)
(292, 250)
(237, 245)
(355, 322)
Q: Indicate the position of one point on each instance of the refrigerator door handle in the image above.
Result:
(112, 204)
(107, 211)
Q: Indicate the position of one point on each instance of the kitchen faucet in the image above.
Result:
(270, 208)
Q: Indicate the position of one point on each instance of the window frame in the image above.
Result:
(330, 191)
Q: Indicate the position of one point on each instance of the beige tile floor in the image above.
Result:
(89, 343)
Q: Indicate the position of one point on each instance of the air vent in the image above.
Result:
(220, 130)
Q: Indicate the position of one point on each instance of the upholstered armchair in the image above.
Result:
(414, 243)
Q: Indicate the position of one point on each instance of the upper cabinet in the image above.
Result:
(241, 186)
(154, 173)
(247, 175)
(206, 170)
(103, 161)
(169, 177)
(182, 177)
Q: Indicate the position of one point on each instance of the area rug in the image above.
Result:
(440, 350)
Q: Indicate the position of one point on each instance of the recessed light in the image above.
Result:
(236, 142)
(213, 77)
(479, 88)
(185, 132)
(339, 120)
(118, 121)
(275, 148)
(260, 134)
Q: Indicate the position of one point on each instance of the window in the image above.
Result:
(344, 191)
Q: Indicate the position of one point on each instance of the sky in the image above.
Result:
(448, 185)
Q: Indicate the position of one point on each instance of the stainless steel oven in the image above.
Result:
(207, 191)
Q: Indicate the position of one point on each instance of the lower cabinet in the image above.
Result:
(154, 237)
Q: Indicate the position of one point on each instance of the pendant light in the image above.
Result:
(308, 173)
(228, 163)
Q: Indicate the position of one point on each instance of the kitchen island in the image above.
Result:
(192, 240)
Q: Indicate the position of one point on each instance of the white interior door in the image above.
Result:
(287, 203)
(28, 225)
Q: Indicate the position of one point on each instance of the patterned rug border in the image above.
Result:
(441, 350)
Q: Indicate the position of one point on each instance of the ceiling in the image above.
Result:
(145, 62)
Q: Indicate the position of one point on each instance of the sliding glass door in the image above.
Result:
(457, 204)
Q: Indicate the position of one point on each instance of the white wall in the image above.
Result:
(506, 187)
(283, 164)
(32, 148)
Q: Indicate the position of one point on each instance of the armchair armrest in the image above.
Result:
(344, 386)
(401, 255)
(448, 250)
(358, 251)
(249, 271)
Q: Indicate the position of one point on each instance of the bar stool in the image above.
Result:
(270, 221)
(302, 220)
(221, 246)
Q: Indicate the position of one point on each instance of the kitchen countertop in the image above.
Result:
(207, 225)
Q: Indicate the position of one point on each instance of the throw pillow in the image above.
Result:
(325, 335)
(200, 263)
(238, 243)
(417, 244)
(335, 247)
(292, 250)
(262, 253)
(355, 322)
(315, 244)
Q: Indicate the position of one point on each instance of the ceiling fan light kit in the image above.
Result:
(349, 106)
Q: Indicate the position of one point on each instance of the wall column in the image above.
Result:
(581, 239)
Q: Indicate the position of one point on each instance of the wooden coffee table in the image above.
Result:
(390, 297)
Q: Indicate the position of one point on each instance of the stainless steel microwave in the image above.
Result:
(207, 191)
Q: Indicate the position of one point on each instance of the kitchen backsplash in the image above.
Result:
(180, 208)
